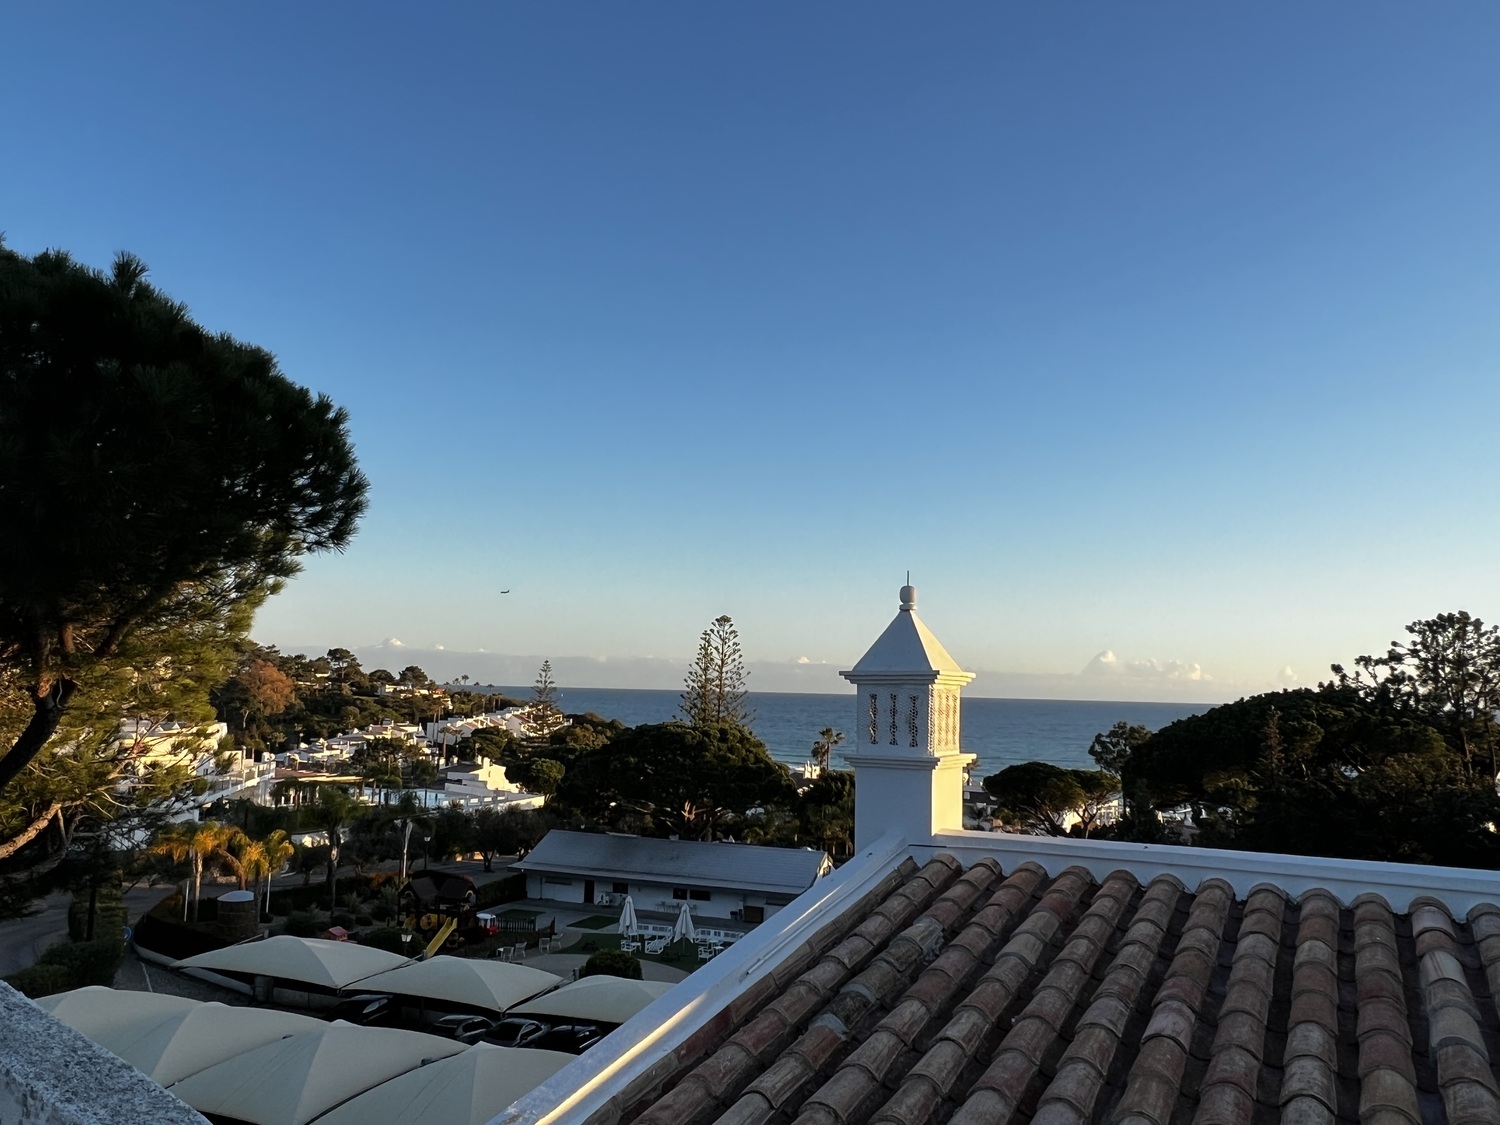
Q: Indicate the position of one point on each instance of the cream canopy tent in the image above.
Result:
(484, 984)
(606, 999)
(629, 925)
(327, 964)
(172, 1047)
(96, 1010)
(467, 1089)
(291, 1081)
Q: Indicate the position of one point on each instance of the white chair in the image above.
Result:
(705, 953)
(519, 953)
(656, 945)
(629, 945)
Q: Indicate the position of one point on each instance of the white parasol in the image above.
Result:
(629, 926)
(683, 928)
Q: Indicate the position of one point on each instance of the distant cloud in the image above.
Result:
(1287, 678)
(1107, 663)
(1106, 676)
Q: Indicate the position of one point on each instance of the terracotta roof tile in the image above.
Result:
(961, 997)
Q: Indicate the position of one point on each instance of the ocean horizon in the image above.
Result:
(1001, 732)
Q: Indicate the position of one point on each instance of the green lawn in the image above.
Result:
(594, 922)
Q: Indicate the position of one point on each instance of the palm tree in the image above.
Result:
(194, 842)
(333, 812)
(828, 740)
(279, 850)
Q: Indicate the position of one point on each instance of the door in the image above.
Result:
(588, 891)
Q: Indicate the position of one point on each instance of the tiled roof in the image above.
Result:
(981, 996)
(742, 866)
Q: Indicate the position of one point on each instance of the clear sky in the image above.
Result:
(1165, 329)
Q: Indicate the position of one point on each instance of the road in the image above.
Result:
(23, 939)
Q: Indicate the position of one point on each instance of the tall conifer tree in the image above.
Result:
(714, 692)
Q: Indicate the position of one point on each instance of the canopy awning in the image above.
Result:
(98, 1009)
(602, 998)
(171, 1048)
(325, 964)
(467, 1089)
(496, 985)
(293, 1080)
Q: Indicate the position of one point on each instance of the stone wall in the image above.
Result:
(51, 1075)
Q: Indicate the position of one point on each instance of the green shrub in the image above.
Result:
(341, 918)
(301, 923)
(41, 980)
(612, 963)
(90, 962)
(71, 965)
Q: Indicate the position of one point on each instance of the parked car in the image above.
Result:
(368, 1009)
(465, 1029)
(516, 1031)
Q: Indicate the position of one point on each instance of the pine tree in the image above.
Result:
(542, 715)
(714, 691)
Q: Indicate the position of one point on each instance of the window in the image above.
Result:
(620, 888)
(698, 896)
(679, 892)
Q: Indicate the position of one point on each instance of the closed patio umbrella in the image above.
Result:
(466, 1089)
(629, 925)
(98, 1009)
(683, 928)
(293, 1080)
(169, 1049)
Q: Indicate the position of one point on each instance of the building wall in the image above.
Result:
(716, 902)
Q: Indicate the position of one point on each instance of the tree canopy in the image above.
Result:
(151, 472)
(683, 779)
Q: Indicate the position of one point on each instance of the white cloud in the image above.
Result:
(803, 660)
(1287, 678)
(391, 642)
(1107, 663)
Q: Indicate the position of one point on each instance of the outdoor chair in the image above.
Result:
(656, 945)
(705, 953)
(519, 952)
(629, 945)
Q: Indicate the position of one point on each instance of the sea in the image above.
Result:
(1001, 732)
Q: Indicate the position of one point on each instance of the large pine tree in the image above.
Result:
(714, 692)
(153, 475)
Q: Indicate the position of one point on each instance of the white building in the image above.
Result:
(744, 882)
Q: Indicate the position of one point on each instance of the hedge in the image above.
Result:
(71, 965)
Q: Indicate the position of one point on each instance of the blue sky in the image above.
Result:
(1166, 329)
